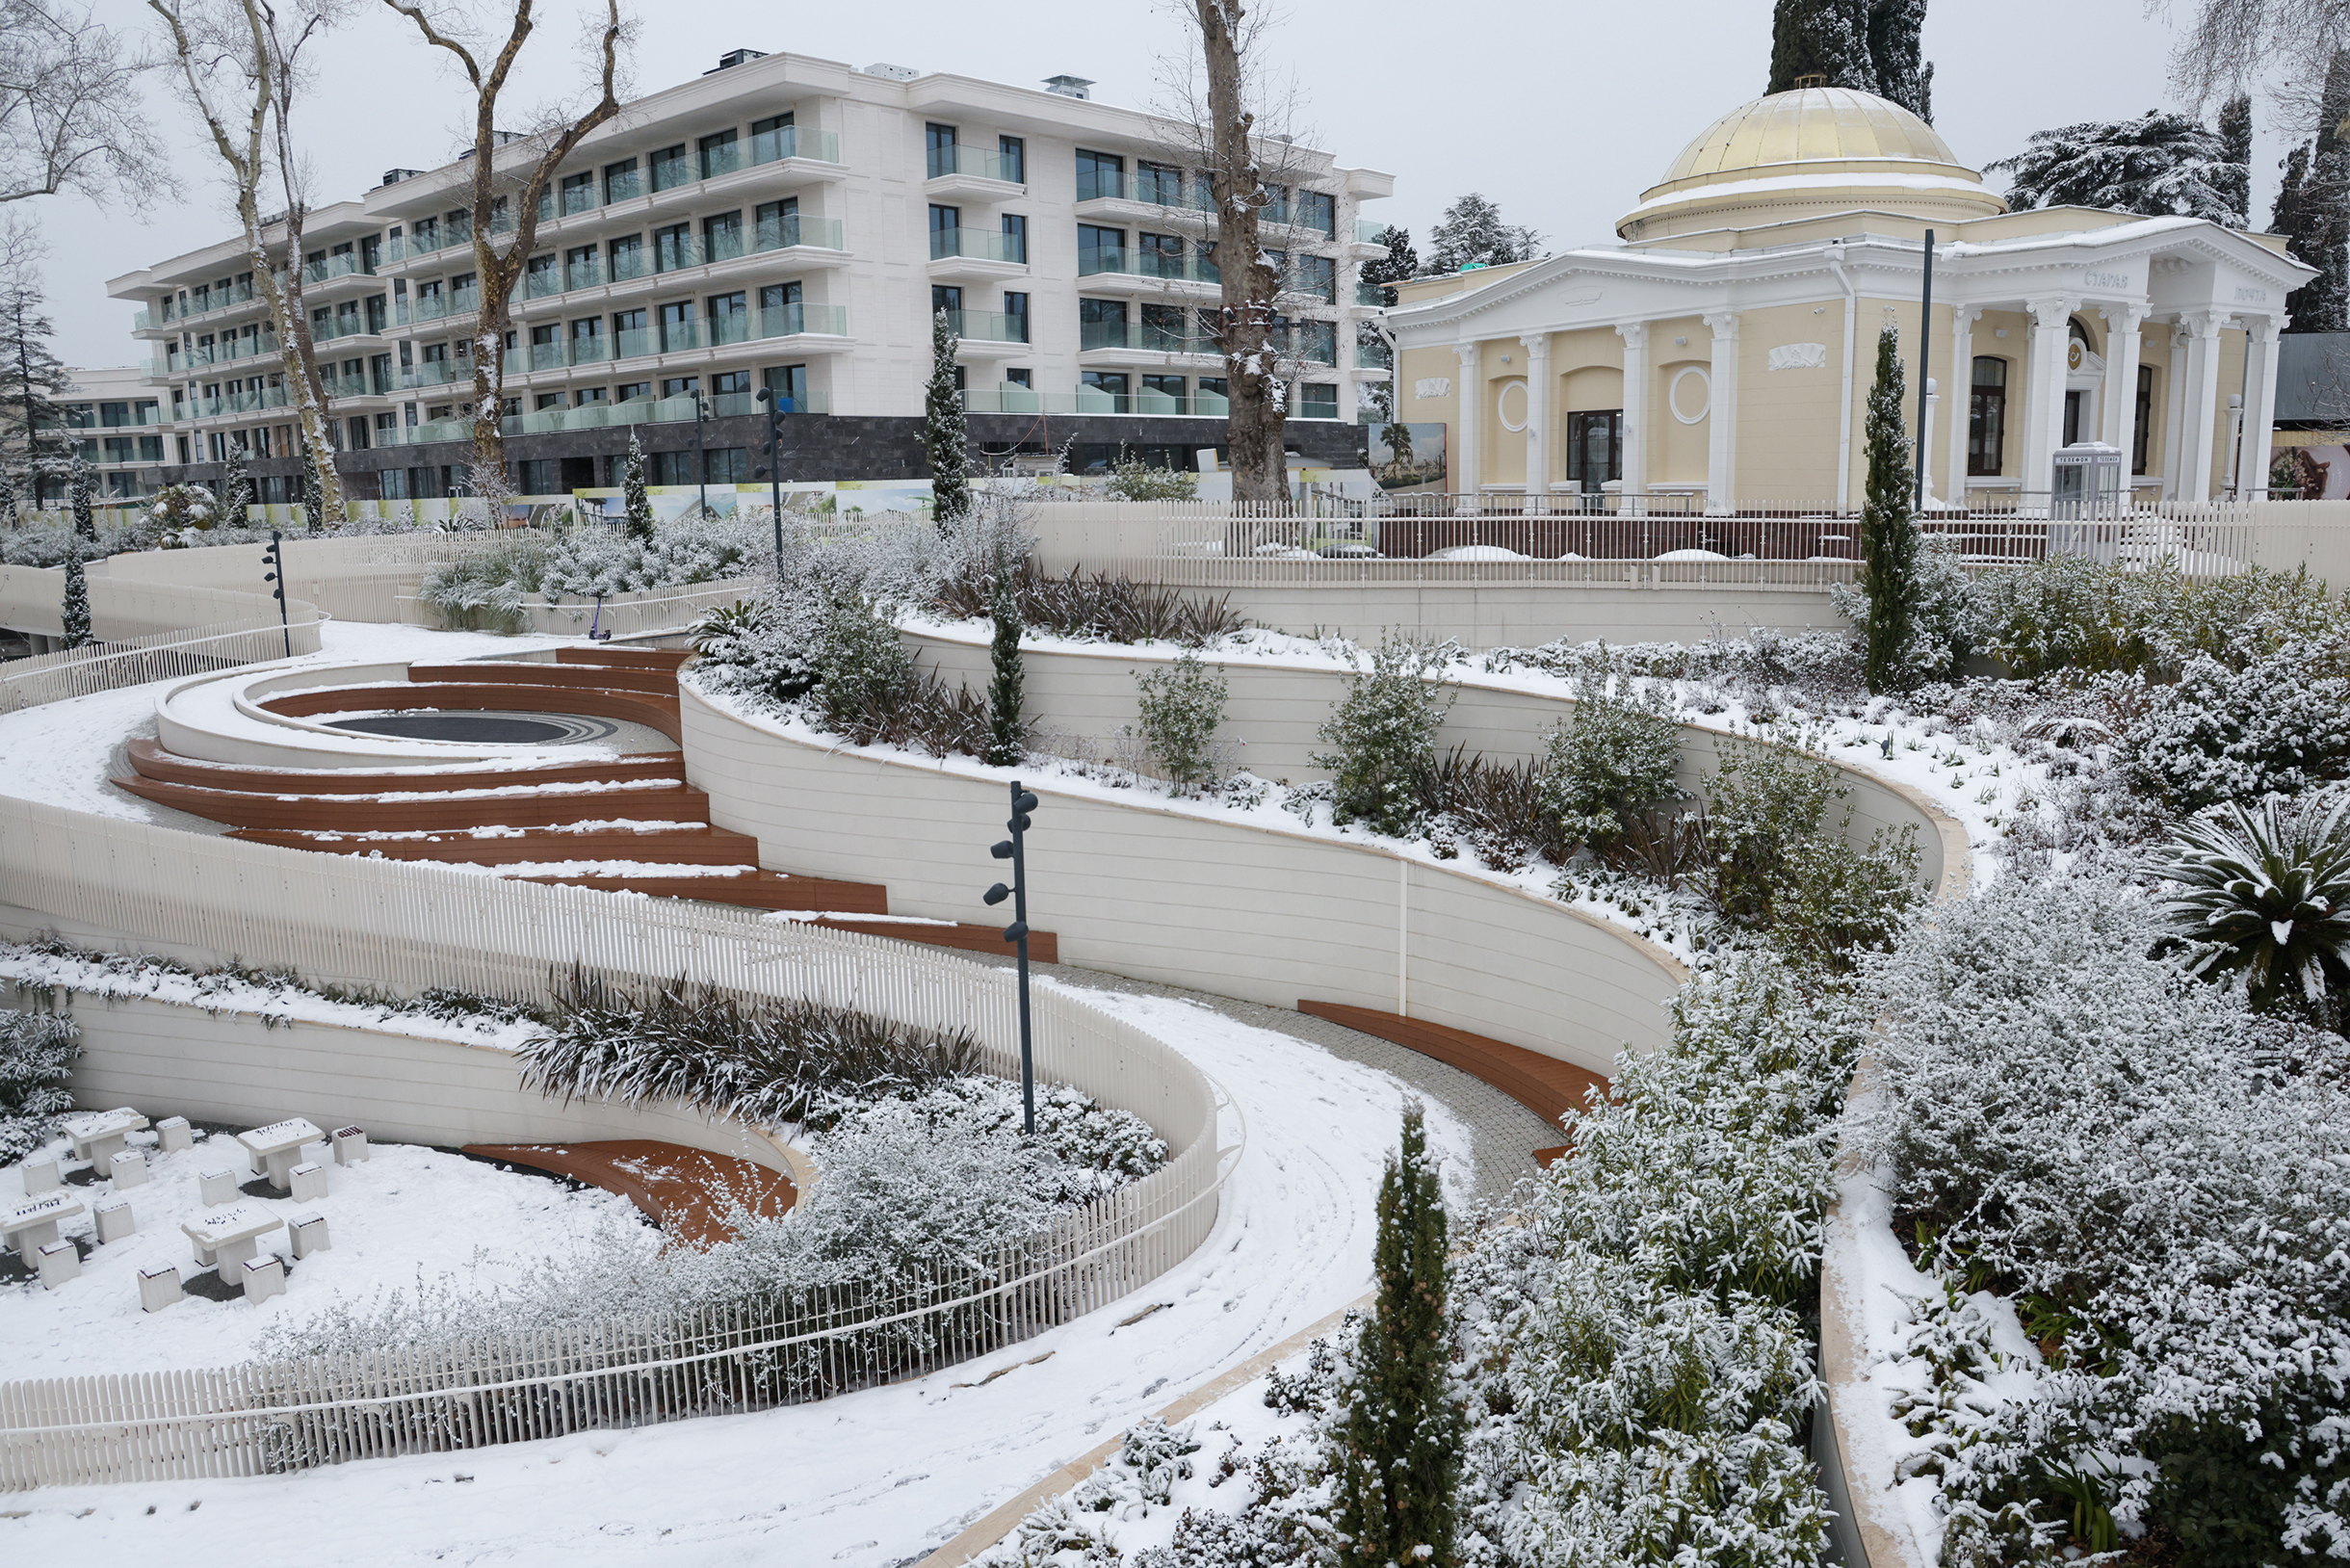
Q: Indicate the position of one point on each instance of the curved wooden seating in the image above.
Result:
(686, 1191)
(693, 844)
(425, 812)
(1544, 1085)
(564, 677)
(635, 707)
(671, 660)
(152, 761)
(1044, 947)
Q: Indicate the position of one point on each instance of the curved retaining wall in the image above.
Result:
(1277, 708)
(1157, 892)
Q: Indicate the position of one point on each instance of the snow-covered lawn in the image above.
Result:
(874, 1478)
(408, 1212)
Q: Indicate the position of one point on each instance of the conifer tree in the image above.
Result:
(2235, 148)
(1400, 265)
(1889, 524)
(1003, 693)
(1471, 232)
(1826, 39)
(74, 612)
(237, 489)
(8, 497)
(946, 436)
(2160, 164)
(2313, 210)
(635, 507)
(77, 496)
(1896, 53)
(1399, 1441)
(32, 378)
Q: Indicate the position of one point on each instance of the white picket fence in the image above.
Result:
(109, 667)
(405, 926)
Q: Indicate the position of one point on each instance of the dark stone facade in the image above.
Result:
(827, 446)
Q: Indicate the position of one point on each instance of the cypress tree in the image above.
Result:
(946, 436)
(1827, 39)
(635, 507)
(8, 497)
(2235, 146)
(1003, 693)
(1399, 1440)
(1896, 53)
(74, 612)
(77, 496)
(237, 490)
(2313, 210)
(1889, 523)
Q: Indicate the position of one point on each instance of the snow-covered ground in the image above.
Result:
(869, 1479)
(407, 1212)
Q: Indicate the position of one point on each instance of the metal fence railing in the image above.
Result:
(110, 666)
(402, 927)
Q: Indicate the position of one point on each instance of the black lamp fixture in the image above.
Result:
(1015, 851)
(273, 558)
(772, 473)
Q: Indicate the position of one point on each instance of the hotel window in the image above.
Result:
(426, 234)
(778, 224)
(586, 395)
(1016, 316)
(358, 433)
(1100, 250)
(1100, 324)
(717, 154)
(727, 383)
(457, 227)
(670, 168)
(672, 248)
(722, 237)
(1159, 255)
(1317, 400)
(1016, 238)
(150, 449)
(2144, 424)
(1317, 275)
(1316, 211)
(632, 391)
(578, 193)
(1161, 395)
(1104, 385)
(1099, 174)
(547, 400)
(939, 142)
(1011, 157)
(541, 475)
(1022, 376)
(1161, 183)
(726, 465)
(678, 328)
(948, 297)
(621, 180)
(790, 385)
(630, 335)
(771, 138)
(1595, 447)
(627, 257)
(1987, 419)
(579, 267)
(539, 276)
(1165, 328)
(729, 318)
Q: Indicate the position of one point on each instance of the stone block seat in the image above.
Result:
(627, 823)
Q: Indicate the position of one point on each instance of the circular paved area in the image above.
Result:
(481, 728)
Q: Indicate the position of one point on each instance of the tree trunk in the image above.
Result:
(1245, 323)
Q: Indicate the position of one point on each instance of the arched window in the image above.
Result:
(1987, 418)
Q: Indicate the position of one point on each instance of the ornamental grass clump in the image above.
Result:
(1092, 607)
(37, 1050)
(1382, 737)
(2265, 894)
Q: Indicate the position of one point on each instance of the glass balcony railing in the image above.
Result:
(1175, 268)
(599, 416)
(1151, 190)
(783, 233)
(623, 185)
(674, 252)
(1369, 231)
(680, 334)
(432, 373)
(464, 302)
(792, 320)
(989, 325)
(1374, 355)
(582, 275)
(218, 300)
(670, 173)
(589, 350)
(542, 282)
(339, 326)
(343, 266)
(1008, 399)
(974, 163)
(632, 343)
(722, 244)
(723, 159)
(574, 199)
(1143, 337)
(1373, 295)
(630, 262)
(978, 244)
(548, 357)
(795, 142)
(729, 328)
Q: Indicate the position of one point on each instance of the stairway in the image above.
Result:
(624, 824)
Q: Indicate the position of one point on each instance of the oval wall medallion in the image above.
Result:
(1705, 394)
(1502, 406)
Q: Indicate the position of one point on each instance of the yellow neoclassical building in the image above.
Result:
(1726, 349)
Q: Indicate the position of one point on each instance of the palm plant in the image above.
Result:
(2265, 893)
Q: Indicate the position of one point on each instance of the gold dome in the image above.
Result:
(1805, 153)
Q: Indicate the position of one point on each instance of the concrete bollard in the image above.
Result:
(350, 1145)
(42, 1176)
(307, 1184)
(216, 1187)
(264, 1276)
(158, 1288)
(173, 1133)
(129, 1168)
(115, 1222)
(60, 1262)
(309, 1232)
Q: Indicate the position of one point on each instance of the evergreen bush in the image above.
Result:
(946, 434)
(1182, 706)
(1889, 527)
(37, 1050)
(238, 496)
(2219, 735)
(1132, 480)
(73, 615)
(1007, 731)
(1382, 736)
(637, 506)
(78, 497)
(1612, 757)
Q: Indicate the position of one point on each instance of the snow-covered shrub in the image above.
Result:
(1382, 735)
(486, 590)
(2265, 893)
(1136, 480)
(1614, 755)
(861, 662)
(2279, 725)
(2152, 1173)
(1181, 707)
(1947, 621)
(764, 1062)
(177, 508)
(37, 1049)
(759, 646)
(1776, 863)
(927, 1187)
(1152, 1457)
(1825, 667)
(1095, 1149)
(2072, 613)
(595, 560)
(1096, 607)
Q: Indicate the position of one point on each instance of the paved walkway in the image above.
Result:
(1506, 1134)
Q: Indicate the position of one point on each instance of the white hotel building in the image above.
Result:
(788, 223)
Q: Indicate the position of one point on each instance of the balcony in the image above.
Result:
(986, 333)
(976, 253)
(346, 265)
(1019, 400)
(793, 141)
(959, 171)
(1145, 196)
(1369, 240)
(1100, 341)
(597, 416)
(343, 327)
(433, 373)
(1120, 270)
(797, 232)
(806, 319)
(159, 317)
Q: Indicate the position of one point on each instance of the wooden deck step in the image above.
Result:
(668, 658)
(152, 761)
(1044, 947)
(686, 1191)
(1546, 1085)
(755, 890)
(692, 846)
(240, 808)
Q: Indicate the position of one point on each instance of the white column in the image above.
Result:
(2043, 398)
(2123, 324)
(1960, 395)
(1635, 406)
(2198, 426)
(1467, 465)
(1722, 413)
(2174, 407)
(2260, 407)
(1537, 413)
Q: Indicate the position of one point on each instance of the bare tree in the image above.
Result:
(71, 117)
(2230, 43)
(1221, 96)
(512, 195)
(250, 48)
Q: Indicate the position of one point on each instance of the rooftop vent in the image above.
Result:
(738, 56)
(393, 177)
(894, 74)
(1069, 87)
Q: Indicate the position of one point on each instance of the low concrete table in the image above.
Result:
(225, 1238)
(98, 1135)
(278, 1147)
(32, 1224)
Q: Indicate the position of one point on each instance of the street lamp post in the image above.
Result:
(773, 405)
(275, 558)
(1015, 851)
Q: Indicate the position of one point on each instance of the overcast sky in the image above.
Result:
(1562, 114)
